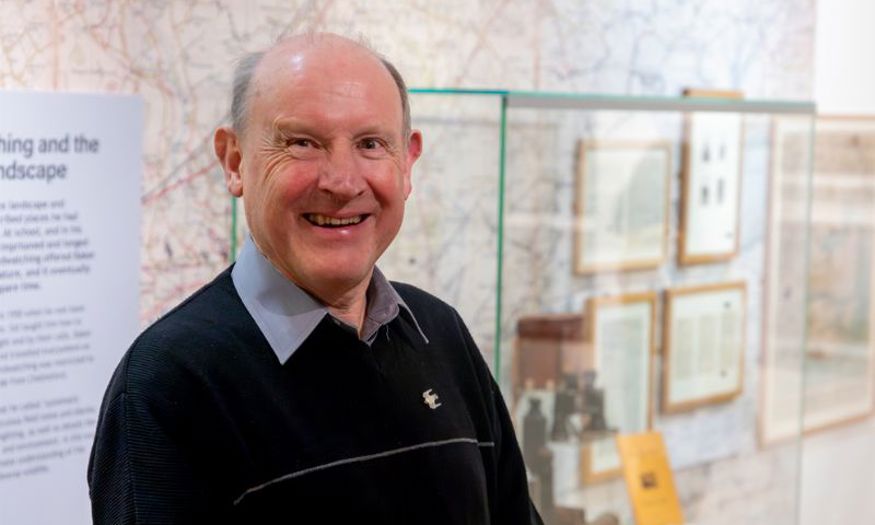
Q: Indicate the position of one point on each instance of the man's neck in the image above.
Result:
(349, 304)
(350, 307)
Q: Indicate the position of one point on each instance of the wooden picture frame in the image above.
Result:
(831, 381)
(622, 331)
(786, 273)
(703, 345)
(712, 156)
(622, 205)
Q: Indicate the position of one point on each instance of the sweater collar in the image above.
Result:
(287, 315)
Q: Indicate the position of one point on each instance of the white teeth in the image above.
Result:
(322, 220)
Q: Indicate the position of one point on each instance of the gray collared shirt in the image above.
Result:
(287, 315)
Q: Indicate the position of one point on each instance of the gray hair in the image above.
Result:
(240, 89)
(241, 95)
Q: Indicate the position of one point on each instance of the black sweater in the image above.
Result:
(202, 424)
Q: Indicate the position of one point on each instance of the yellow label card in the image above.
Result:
(649, 479)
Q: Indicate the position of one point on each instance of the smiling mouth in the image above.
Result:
(325, 221)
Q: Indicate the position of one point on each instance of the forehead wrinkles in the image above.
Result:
(349, 89)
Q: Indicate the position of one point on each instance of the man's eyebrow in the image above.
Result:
(376, 130)
(290, 124)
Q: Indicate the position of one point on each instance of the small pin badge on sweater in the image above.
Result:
(430, 399)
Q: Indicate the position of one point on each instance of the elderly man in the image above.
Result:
(300, 386)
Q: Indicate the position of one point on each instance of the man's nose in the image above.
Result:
(341, 174)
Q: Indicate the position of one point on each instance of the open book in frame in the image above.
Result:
(703, 345)
(830, 374)
(621, 329)
(710, 183)
(622, 205)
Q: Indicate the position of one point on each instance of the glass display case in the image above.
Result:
(626, 264)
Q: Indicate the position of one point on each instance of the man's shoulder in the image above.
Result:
(439, 321)
(420, 301)
(409, 292)
(206, 310)
(203, 325)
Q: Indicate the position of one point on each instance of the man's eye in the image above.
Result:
(300, 143)
(370, 144)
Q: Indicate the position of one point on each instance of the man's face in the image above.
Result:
(325, 167)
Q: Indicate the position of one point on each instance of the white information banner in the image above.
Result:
(70, 172)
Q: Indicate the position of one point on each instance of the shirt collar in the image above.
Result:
(287, 315)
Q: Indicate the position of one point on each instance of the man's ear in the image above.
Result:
(414, 150)
(227, 147)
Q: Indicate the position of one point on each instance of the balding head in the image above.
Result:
(249, 67)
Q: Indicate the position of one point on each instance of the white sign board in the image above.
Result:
(70, 172)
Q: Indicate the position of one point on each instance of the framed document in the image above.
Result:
(838, 358)
(711, 183)
(621, 329)
(703, 341)
(622, 205)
